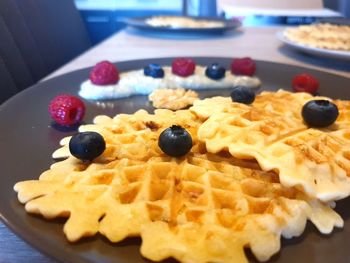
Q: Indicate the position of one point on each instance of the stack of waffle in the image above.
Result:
(255, 173)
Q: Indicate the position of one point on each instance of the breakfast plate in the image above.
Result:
(320, 52)
(28, 138)
(181, 24)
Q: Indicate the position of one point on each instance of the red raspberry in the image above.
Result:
(243, 66)
(66, 109)
(305, 83)
(183, 67)
(104, 73)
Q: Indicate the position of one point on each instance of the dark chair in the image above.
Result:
(37, 37)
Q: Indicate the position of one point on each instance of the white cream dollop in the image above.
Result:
(136, 83)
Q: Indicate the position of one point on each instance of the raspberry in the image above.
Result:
(305, 83)
(183, 67)
(104, 73)
(243, 66)
(66, 109)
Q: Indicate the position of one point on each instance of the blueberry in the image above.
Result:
(319, 113)
(154, 71)
(215, 71)
(87, 146)
(242, 95)
(175, 141)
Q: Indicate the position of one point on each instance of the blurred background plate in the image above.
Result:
(228, 24)
(321, 52)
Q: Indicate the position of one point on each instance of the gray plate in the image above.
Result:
(140, 23)
(27, 140)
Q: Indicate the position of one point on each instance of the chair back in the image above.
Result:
(37, 37)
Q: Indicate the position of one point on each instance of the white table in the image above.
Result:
(257, 42)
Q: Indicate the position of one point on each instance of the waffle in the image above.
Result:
(202, 207)
(172, 99)
(272, 132)
(134, 136)
(194, 209)
(203, 109)
(328, 36)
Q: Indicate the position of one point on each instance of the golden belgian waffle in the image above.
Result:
(198, 208)
(203, 109)
(172, 99)
(134, 136)
(272, 132)
(193, 209)
(273, 102)
(328, 36)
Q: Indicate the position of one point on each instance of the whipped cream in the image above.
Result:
(136, 83)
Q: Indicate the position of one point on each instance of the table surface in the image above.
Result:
(257, 42)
